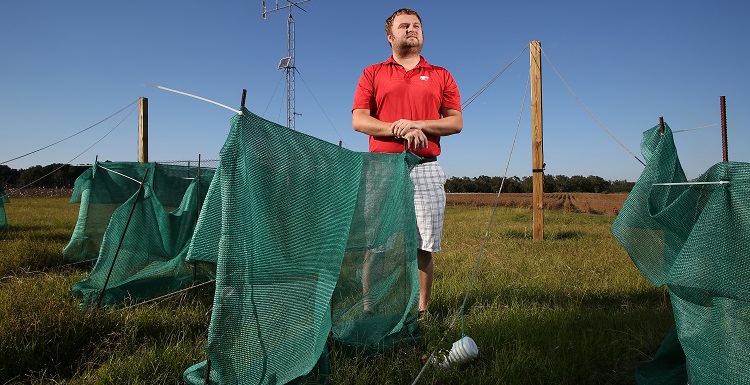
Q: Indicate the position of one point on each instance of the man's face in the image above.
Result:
(406, 32)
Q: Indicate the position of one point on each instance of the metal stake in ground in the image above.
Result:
(198, 201)
(122, 238)
(725, 153)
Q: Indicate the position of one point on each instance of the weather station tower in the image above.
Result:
(287, 63)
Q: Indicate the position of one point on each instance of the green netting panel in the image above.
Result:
(150, 259)
(107, 185)
(695, 239)
(3, 200)
(294, 224)
(378, 278)
(668, 366)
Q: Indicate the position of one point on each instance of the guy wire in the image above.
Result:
(484, 241)
(589, 111)
(62, 140)
(318, 103)
(272, 95)
(476, 95)
(83, 152)
(168, 295)
(695, 128)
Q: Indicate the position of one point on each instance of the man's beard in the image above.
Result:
(410, 45)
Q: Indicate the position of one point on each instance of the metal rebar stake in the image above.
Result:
(122, 238)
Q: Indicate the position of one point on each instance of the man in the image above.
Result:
(405, 103)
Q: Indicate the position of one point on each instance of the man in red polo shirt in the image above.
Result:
(405, 103)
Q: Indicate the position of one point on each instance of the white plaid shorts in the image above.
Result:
(429, 204)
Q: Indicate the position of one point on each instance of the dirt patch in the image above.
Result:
(592, 203)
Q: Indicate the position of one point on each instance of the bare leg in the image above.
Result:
(424, 262)
(366, 272)
(372, 272)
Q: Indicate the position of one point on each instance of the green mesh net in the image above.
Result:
(3, 200)
(138, 237)
(695, 239)
(311, 241)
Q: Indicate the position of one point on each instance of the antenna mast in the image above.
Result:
(287, 63)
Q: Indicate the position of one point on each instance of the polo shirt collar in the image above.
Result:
(422, 62)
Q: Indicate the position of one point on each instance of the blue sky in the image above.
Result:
(67, 65)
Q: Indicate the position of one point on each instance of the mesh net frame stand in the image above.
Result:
(151, 255)
(311, 241)
(3, 200)
(693, 238)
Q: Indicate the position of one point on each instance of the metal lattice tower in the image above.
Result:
(287, 63)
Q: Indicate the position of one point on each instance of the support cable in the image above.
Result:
(321, 107)
(77, 156)
(589, 111)
(272, 95)
(476, 95)
(79, 262)
(696, 128)
(45, 271)
(62, 140)
(169, 295)
(462, 309)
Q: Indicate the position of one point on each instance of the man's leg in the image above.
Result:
(429, 205)
(424, 262)
(366, 272)
(372, 273)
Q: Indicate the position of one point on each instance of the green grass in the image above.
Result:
(571, 309)
(38, 229)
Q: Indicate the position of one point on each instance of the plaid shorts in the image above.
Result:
(429, 204)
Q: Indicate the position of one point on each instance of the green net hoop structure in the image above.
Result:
(311, 241)
(3, 200)
(157, 222)
(693, 238)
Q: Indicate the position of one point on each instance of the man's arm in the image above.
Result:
(366, 124)
(451, 123)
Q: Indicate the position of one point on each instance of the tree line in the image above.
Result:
(552, 183)
(59, 175)
(56, 175)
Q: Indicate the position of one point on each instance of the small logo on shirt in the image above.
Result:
(424, 78)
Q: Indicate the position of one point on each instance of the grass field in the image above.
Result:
(571, 309)
(590, 203)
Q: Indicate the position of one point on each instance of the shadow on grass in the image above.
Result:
(51, 337)
(555, 235)
(45, 232)
(553, 338)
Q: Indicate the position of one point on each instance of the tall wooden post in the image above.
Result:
(143, 131)
(537, 153)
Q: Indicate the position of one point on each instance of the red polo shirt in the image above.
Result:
(391, 93)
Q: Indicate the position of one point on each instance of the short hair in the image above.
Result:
(402, 11)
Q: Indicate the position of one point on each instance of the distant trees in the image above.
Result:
(8, 176)
(64, 176)
(552, 183)
(55, 175)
